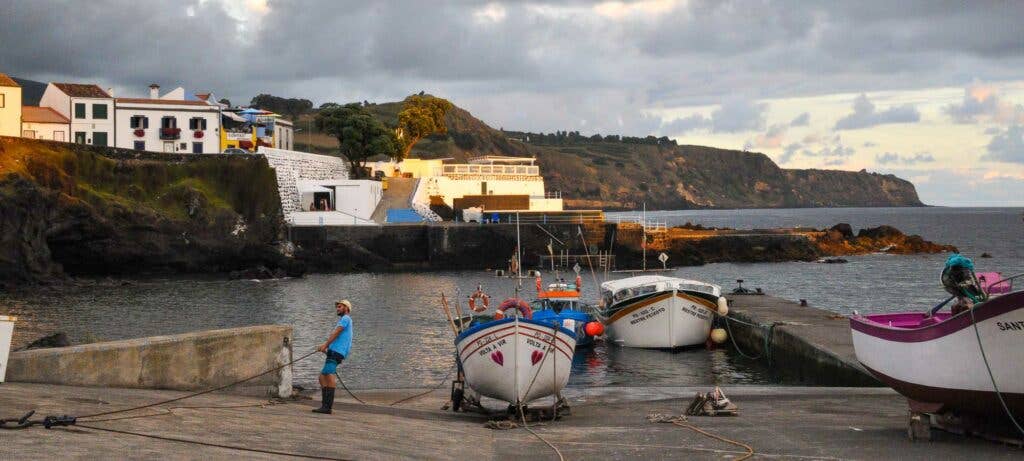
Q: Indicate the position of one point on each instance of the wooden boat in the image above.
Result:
(653, 311)
(939, 361)
(560, 302)
(515, 359)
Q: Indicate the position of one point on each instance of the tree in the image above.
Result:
(292, 107)
(359, 134)
(421, 116)
(225, 101)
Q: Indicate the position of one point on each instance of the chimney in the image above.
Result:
(110, 91)
(154, 91)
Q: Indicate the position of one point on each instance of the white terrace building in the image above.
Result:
(89, 107)
(167, 124)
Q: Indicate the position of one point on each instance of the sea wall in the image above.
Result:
(189, 361)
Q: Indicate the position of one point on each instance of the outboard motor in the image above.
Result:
(959, 280)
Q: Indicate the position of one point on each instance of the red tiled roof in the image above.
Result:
(6, 81)
(169, 102)
(36, 114)
(80, 90)
(203, 96)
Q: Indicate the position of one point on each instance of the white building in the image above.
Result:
(487, 175)
(44, 123)
(167, 124)
(10, 107)
(284, 134)
(89, 107)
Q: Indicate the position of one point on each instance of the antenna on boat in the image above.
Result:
(519, 257)
(643, 243)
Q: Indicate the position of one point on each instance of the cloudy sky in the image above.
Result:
(932, 91)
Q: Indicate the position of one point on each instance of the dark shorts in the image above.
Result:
(331, 364)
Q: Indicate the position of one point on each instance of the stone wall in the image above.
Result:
(291, 166)
(188, 362)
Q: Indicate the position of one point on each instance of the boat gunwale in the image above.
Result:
(476, 328)
(989, 309)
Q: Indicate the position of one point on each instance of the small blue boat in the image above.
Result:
(560, 302)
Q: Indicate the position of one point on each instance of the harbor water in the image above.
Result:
(401, 339)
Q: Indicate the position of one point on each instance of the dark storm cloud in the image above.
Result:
(557, 65)
(865, 115)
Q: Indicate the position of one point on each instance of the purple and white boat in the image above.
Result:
(939, 361)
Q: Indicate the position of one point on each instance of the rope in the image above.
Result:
(992, 377)
(681, 421)
(207, 444)
(402, 400)
(586, 249)
(767, 333)
(196, 394)
(170, 411)
(519, 405)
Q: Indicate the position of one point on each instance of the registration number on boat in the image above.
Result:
(645, 314)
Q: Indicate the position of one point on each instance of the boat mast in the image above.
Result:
(643, 243)
(519, 253)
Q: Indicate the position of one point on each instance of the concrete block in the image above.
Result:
(189, 361)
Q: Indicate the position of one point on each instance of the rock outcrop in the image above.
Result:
(80, 210)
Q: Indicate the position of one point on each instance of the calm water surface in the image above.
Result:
(403, 341)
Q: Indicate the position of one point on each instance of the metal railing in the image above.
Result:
(524, 170)
(649, 224)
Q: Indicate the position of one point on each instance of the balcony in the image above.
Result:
(170, 133)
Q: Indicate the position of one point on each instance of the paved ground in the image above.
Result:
(398, 195)
(607, 423)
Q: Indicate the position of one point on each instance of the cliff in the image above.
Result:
(81, 210)
(615, 172)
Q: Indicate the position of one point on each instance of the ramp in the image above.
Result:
(397, 196)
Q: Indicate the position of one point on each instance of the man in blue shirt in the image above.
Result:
(336, 347)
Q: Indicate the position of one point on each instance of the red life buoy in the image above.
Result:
(524, 308)
(479, 294)
(579, 283)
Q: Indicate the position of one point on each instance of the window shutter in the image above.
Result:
(145, 122)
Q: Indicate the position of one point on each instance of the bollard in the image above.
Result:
(803, 302)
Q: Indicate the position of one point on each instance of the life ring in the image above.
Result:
(479, 294)
(524, 308)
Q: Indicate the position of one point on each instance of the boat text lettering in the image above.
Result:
(1017, 326)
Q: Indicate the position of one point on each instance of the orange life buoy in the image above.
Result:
(479, 294)
(579, 283)
(524, 308)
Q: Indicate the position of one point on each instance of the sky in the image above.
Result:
(932, 91)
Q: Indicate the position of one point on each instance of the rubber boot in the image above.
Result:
(327, 401)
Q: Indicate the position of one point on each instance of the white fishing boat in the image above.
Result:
(515, 359)
(653, 311)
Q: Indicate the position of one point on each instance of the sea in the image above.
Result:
(401, 339)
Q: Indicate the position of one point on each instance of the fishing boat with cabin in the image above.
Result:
(559, 302)
(966, 361)
(658, 312)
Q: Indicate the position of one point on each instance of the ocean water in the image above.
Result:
(402, 340)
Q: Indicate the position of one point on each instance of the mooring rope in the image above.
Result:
(402, 400)
(681, 421)
(992, 377)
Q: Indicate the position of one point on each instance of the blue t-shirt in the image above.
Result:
(343, 343)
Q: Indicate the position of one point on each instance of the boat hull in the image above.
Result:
(663, 320)
(941, 363)
(516, 360)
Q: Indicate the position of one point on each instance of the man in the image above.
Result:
(336, 347)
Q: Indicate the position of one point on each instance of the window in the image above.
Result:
(99, 138)
(99, 111)
(197, 148)
(139, 122)
(197, 123)
(168, 122)
(79, 110)
(140, 145)
(30, 134)
(80, 137)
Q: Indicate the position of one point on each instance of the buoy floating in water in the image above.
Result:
(723, 306)
(593, 328)
(718, 335)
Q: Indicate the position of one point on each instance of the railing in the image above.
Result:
(170, 133)
(649, 225)
(523, 170)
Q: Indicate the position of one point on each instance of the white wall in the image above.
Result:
(47, 131)
(91, 125)
(451, 189)
(284, 136)
(10, 112)
(355, 197)
(291, 166)
(126, 134)
(55, 99)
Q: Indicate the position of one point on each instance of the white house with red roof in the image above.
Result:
(167, 124)
(44, 123)
(89, 108)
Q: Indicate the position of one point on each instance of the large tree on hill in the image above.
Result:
(292, 107)
(360, 135)
(421, 116)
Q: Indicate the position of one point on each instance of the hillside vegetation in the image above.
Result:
(614, 172)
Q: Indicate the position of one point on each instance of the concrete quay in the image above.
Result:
(606, 423)
(806, 345)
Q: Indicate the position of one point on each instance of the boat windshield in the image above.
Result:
(632, 292)
(556, 305)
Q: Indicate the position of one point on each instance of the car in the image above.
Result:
(235, 151)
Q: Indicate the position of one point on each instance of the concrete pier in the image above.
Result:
(606, 423)
(806, 345)
(189, 361)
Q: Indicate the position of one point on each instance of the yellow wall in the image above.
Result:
(10, 113)
(226, 143)
(420, 168)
